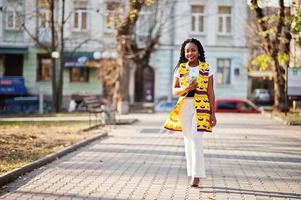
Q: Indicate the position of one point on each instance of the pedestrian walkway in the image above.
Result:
(247, 157)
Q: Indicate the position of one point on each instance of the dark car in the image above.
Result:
(235, 106)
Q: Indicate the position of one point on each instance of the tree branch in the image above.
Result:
(262, 25)
(127, 26)
(279, 28)
(84, 42)
(154, 32)
(36, 39)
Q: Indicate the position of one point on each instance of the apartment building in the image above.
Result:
(25, 30)
(89, 30)
(221, 27)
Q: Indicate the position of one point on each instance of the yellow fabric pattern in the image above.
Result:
(201, 100)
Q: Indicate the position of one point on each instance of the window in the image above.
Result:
(236, 71)
(223, 71)
(44, 26)
(44, 14)
(224, 20)
(197, 19)
(245, 107)
(44, 17)
(44, 68)
(143, 25)
(227, 106)
(80, 17)
(109, 19)
(13, 19)
(78, 74)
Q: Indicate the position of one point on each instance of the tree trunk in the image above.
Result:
(61, 66)
(121, 93)
(279, 87)
(286, 49)
(107, 72)
(53, 61)
(272, 47)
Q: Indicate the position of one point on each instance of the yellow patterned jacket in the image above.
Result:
(201, 100)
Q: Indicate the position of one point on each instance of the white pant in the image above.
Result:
(193, 140)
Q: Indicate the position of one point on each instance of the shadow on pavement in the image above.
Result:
(257, 193)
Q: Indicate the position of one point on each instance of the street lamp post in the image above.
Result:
(55, 55)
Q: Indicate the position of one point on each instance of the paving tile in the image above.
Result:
(247, 157)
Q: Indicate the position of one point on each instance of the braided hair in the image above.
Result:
(201, 51)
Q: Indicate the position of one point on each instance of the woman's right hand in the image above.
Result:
(191, 86)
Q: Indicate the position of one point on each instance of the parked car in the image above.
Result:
(261, 96)
(235, 106)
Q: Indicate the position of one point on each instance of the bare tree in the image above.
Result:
(51, 45)
(275, 39)
(129, 51)
(56, 41)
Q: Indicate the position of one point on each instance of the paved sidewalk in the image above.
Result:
(248, 157)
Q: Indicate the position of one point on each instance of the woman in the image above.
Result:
(194, 113)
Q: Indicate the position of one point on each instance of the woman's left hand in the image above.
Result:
(212, 120)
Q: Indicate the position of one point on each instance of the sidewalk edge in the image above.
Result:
(14, 174)
(281, 120)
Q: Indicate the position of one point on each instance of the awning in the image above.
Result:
(77, 59)
(13, 85)
(13, 50)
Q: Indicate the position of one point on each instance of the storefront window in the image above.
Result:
(44, 68)
(79, 74)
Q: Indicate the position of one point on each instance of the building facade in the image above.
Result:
(89, 29)
(221, 27)
(25, 30)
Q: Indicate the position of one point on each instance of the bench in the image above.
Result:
(28, 104)
(100, 111)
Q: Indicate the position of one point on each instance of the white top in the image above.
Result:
(193, 72)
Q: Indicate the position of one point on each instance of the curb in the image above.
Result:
(14, 174)
(8, 120)
(127, 122)
(279, 119)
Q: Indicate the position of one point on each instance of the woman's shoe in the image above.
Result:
(195, 182)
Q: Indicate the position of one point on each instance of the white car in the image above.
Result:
(261, 96)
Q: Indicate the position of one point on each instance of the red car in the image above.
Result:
(235, 106)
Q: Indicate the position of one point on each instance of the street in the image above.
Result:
(248, 156)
